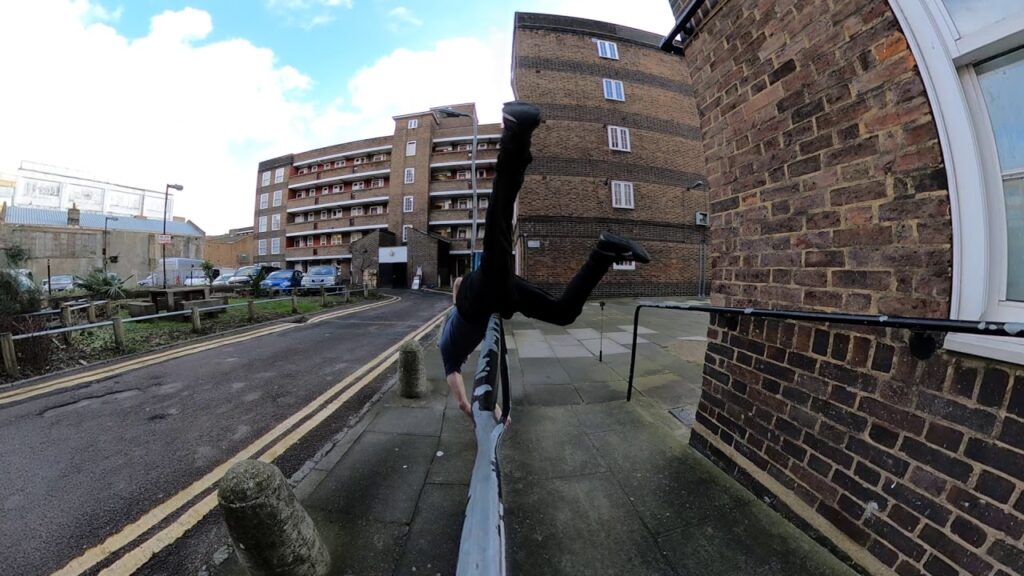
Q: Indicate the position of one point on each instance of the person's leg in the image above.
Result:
(493, 280)
(534, 302)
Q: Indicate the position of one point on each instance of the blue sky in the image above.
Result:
(146, 92)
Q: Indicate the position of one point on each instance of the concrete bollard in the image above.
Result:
(366, 291)
(295, 303)
(323, 297)
(252, 311)
(345, 292)
(108, 309)
(10, 357)
(272, 533)
(412, 379)
(90, 313)
(196, 324)
(118, 331)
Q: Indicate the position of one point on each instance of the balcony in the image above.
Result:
(314, 252)
(466, 186)
(328, 201)
(456, 215)
(488, 156)
(333, 225)
(345, 173)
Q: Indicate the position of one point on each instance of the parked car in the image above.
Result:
(326, 276)
(282, 281)
(196, 278)
(59, 283)
(221, 277)
(243, 276)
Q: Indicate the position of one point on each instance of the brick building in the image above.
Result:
(312, 206)
(619, 150)
(233, 249)
(866, 156)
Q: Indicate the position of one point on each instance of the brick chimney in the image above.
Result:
(74, 217)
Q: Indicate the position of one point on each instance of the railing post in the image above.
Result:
(295, 303)
(65, 320)
(252, 310)
(108, 309)
(118, 331)
(9, 356)
(366, 291)
(196, 324)
(345, 293)
(90, 313)
(323, 297)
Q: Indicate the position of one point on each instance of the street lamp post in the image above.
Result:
(472, 166)
(163, 247)
(106, 219)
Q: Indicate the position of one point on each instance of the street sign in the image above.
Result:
(163, 238)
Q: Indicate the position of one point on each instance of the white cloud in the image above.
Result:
(401, 14)
(306, 4)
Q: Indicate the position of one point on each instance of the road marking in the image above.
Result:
(107, 371)
(142, 553)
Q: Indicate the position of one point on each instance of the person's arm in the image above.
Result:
(458, 388)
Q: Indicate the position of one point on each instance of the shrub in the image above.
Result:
(99, 283)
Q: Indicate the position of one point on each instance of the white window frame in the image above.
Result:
(262, 226)
(278, 175)
(377, 183)
(405, 232)
(410, 175)
(357, 211)
(324, 190)
(337, 188)
(622, 194)
(463, 174)
(445, 148)
(359, 185)
(353, 236)
(299, 219)
(314, 168)
(408, 203)
(946, 60)
(607, 49)
(376, 209)
(359, 160)
(303, 170)
(463, 146)
(265, 178)
(323, 214)
(278, 197)
(413, 124)
(481, 172)
(631, 265)
(410, 148)
(261, 247)
(618, 139)
(613, 89)
(275, 221)
(339, 163)
(264, 200)
(337, 213)
(275, 245)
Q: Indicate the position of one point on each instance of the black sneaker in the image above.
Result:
(520, 118)
(622, 249)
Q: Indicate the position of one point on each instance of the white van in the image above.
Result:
(178, 271)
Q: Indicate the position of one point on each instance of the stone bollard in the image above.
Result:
(197, 325)
(295, 303)
(10, 357)
(323, 297)
(412, 380)
(118, 331)
(251, 307)
(272, 533)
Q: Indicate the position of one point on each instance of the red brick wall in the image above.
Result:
(828, 193)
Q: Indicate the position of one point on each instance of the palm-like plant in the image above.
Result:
(99, 283)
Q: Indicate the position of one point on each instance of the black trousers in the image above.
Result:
(494, 286)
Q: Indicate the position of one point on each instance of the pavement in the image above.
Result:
(80, 464)
(592, 484)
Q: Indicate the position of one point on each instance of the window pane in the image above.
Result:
(972, 15)
(1014, 191)
(1002, 83)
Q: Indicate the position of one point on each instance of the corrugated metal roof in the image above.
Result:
(59, 218)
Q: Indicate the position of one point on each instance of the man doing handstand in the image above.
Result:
(493, 287)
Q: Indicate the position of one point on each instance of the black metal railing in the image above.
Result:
(923, 341)
(482, 549)
(682, 26)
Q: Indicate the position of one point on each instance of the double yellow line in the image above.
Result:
(302, 421)
(20, 394)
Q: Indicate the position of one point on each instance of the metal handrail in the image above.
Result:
(668, 43)
(922, 342)
(482, 547)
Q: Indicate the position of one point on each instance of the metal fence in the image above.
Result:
(7, 340)
(482, 549)
(923, 340)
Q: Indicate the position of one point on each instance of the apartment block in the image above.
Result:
(415, 183)
(619, 150)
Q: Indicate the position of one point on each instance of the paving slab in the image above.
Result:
(552, 395)
(577, 525)
(547, 443)
(535, 349)
(379, 478)
(453, 461)
(563, 340)
(584, 333)
(625, 338)
(433, 543)
(421, 421)
(544, 371)
(595, 392)
(571, 351)
(359, 545)
(609, 346)
(670, 484)
(610, 416)
(588, 370)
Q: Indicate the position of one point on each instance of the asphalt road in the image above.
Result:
(78, 465)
